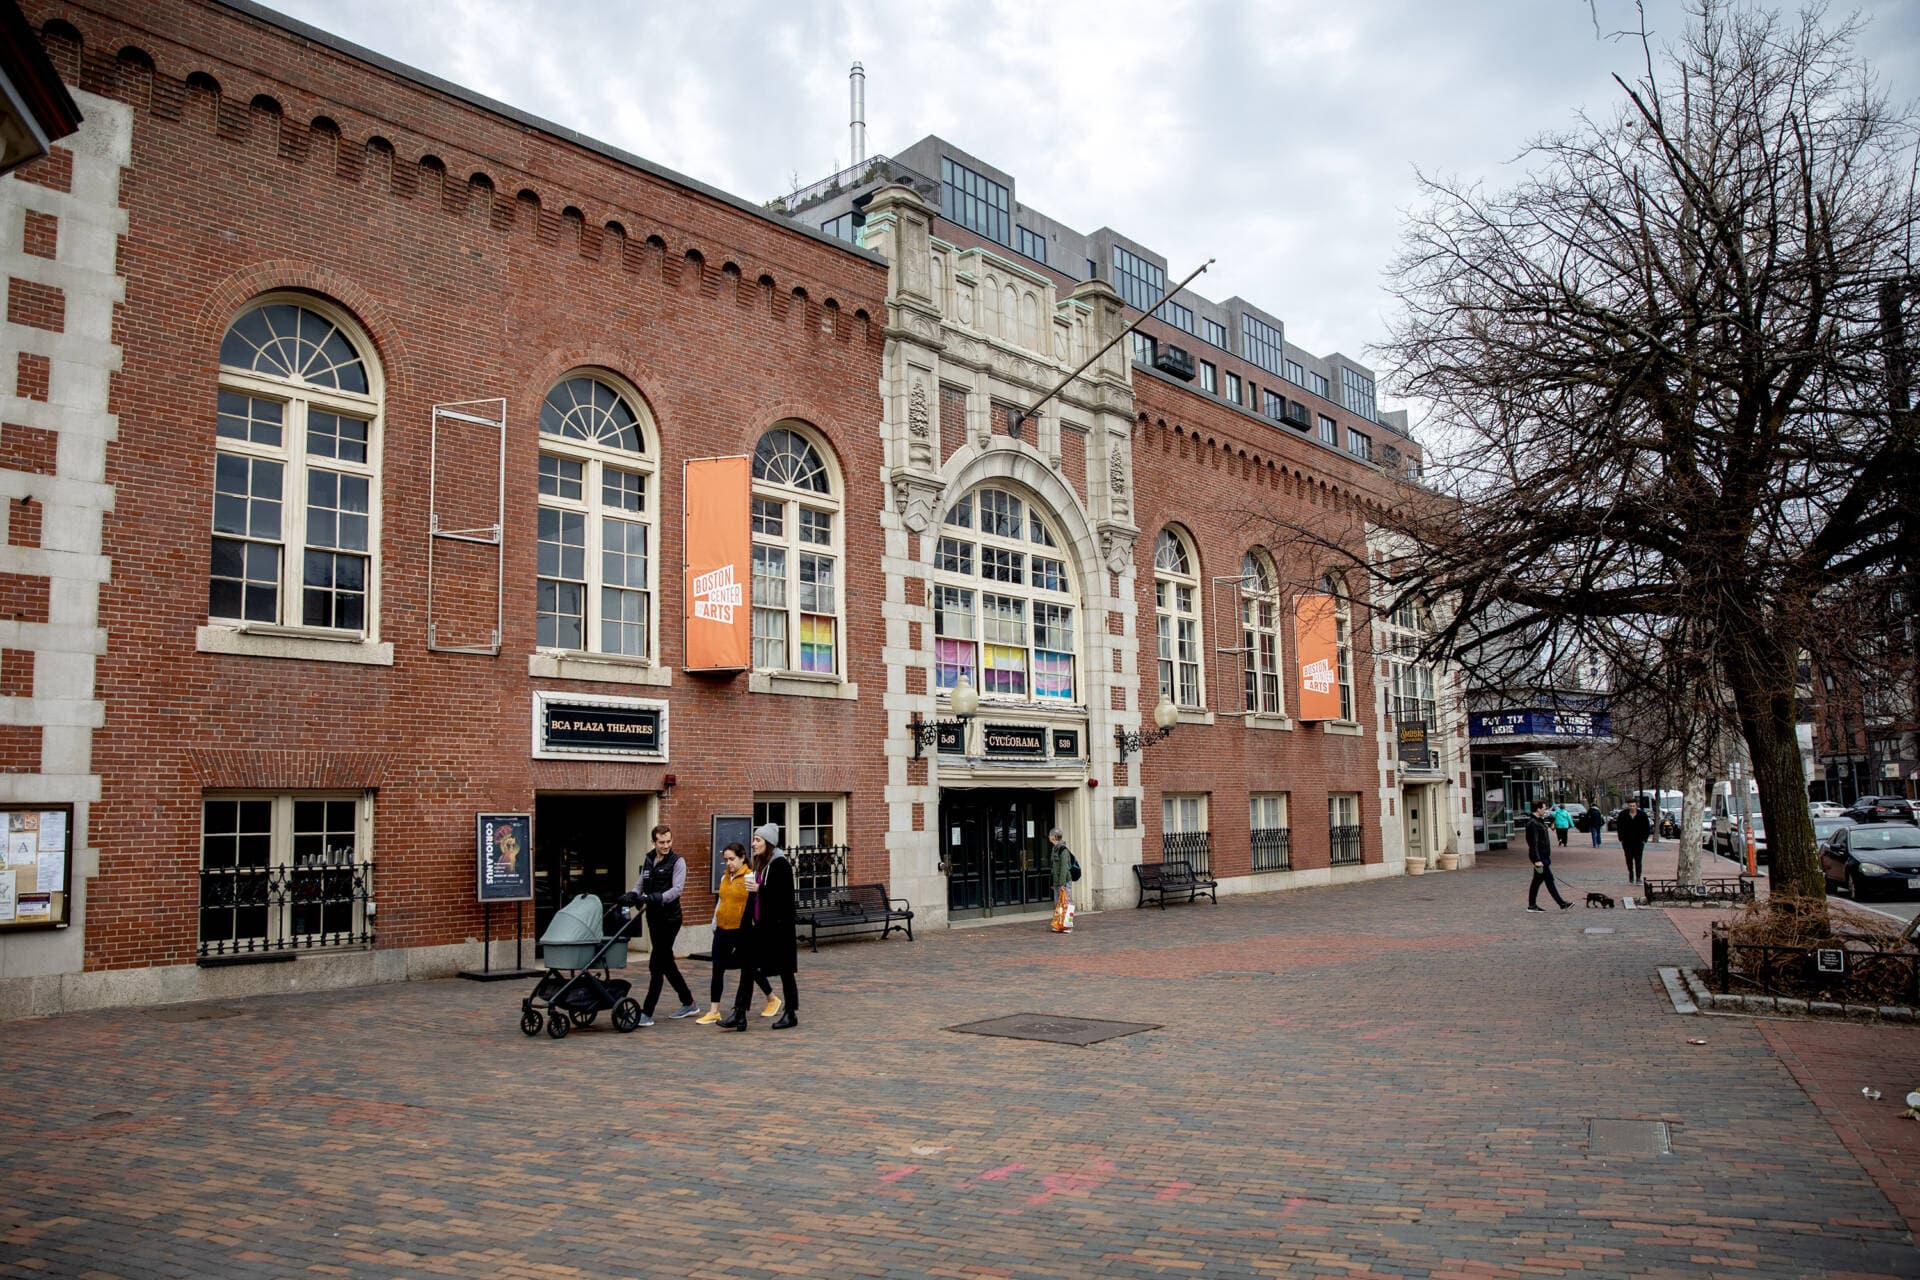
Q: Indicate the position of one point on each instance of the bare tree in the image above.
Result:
(1659, 361)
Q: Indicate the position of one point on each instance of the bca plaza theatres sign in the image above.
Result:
(1539, 724)
(567, 727)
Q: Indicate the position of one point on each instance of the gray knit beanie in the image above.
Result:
(770, 833)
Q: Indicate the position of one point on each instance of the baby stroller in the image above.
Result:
(571, 993)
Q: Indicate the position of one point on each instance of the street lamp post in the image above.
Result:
(927, 732)
(1165, 716)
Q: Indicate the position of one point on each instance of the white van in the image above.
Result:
(1725, 837)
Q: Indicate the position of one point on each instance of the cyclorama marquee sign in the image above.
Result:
(576, 727)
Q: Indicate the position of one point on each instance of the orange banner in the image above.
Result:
(1316, 637)
(719, 528)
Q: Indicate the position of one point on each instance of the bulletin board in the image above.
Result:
(36, 874)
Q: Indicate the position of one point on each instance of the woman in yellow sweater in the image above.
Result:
(729, 926)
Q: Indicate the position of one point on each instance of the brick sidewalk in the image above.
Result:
(1393, 1079)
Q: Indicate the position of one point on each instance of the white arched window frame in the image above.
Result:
(1004, 602)
(1343, 641)
(797, 594)
(1260, 633)
(597, 571)
(296, 502)
(1176, 606)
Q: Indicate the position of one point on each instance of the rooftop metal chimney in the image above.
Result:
(857, 92)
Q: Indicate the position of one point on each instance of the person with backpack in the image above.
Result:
(1540, 849)
(1562, 823)
(1066, 869)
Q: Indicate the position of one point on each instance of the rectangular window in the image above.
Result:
(1343, 827)
(1297, 414)
(624, 604)
(1138, 282)
(1296, 374)
(1209, 378)
(1274, 405)
(247, 500)
(841, 228)
(1142, 348)
(956, 556)
(1030, 243)
(998, 564)
(1233, 387)
(1261, 343)
(1267, 812)
(1329, 431)
(954, 652)
(1358, 389)
(770, 607)
(1093, 269)
(1213, 331)
(1003, 626)
(562, 586)
(1181, 814)
(1270, 836)
(1178, 316)
(1360, 445)
(1052, 652)
(818, 610)
(974, 201)
(811, 831)
(1319, 384)
(285, 873)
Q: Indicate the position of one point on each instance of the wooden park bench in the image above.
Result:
(1163, 878)
(853, 907)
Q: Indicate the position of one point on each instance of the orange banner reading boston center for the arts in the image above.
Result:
(1317, 639)
(719, 564)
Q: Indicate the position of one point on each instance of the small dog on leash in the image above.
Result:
(1600, 900)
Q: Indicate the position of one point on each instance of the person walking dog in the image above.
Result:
(1635, 829)
(663, 878)
(773, 951)
(1540, 849)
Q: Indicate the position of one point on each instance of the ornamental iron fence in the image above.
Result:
(1272, 848)
(1193, 847)
(280, 910)
(1346, 845)
(818, 870)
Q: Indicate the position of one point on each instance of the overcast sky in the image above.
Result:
(1280, 137)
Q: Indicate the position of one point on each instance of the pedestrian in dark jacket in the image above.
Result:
(1596, 822)
(1062, 881)
(771, 951)
(663, 878)
(1540, 849)
(1635, 829)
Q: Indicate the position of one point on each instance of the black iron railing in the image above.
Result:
(818, 870)
(1195, 847)
(1272, 848)
(270, 910)
(1346, 845)
(1855, 972)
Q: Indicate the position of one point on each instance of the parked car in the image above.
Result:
(1881, 809)
(1826, 809)
(1824, 827)
(1879, 859)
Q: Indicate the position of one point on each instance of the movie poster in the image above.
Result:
(505, 849)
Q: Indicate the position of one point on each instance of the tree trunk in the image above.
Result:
(1696, 780)
(1763, 696)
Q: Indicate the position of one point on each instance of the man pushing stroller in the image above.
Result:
(663, 878)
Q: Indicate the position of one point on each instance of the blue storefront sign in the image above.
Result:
(1539, 724)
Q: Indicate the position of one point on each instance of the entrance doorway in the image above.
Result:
(1413, 803)
(995, 844)
(579, 846)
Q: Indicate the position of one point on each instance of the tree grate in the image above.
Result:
(1629, 1137)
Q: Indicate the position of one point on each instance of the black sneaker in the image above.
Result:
(1536, 908)
(1565, 905)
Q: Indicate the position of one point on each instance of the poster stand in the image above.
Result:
(486, 972)
(504, 875)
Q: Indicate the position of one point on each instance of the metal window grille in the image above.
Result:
(818, 870)
(1272, 848)
(267, 910)
(1346, 845)
(1195, 847)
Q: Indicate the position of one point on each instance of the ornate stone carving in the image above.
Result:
(919, 429)
(917, 415)
(1117, 545)
(916, 499)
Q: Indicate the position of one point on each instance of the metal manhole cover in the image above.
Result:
(1629, 1137)
(1053, 1028)
(191, 1013)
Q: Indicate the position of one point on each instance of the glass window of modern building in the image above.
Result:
(974, 201)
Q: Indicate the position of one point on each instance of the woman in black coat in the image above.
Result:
(772, 949)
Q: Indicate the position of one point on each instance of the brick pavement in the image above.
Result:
(1384, 1080)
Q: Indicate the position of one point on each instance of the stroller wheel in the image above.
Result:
(626, 1015)
(530, 1022)
(583, 1017)
(557, 1025)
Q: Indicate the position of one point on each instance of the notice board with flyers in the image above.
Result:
(36, 875)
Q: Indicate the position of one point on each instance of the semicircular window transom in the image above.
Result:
(787, 458)
(1170, 553)
(588, 410)
(282, 340)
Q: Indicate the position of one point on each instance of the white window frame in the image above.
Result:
(1183, 813)
(595, 460)
(963, 551)
(1412, 683)
(281, 857)
(1264, 693)
(1180, 640)
(795, 503)
(1268, 805)
(789, 821)
(1342, 644)
(298, 399)
(1233, 386)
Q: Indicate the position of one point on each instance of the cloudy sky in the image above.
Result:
(1279, 136)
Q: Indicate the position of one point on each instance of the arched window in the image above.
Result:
(1003, 601)
(596, 564)
(1342, 640)
(1176, 606)
(1260, 633)
(796, 561)
(296, 491)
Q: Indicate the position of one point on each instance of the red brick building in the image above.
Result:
(345, 454)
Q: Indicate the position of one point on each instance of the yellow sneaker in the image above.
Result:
(773, 1008)
(711, 1015)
